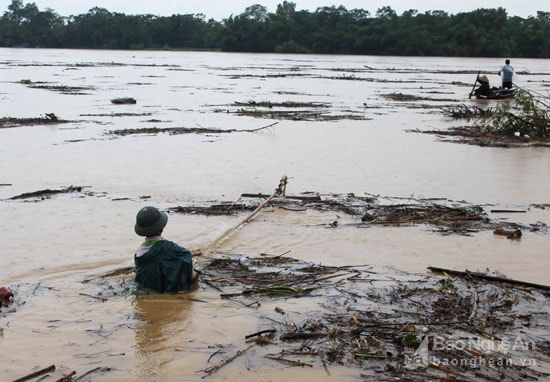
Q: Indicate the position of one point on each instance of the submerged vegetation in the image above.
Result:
(521, 121)
(526, 116)
(335, 29)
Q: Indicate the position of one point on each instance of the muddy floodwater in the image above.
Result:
(328, 123)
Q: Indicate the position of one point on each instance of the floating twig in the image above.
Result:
(377, 356)
(102, 299)
(288, 361)
(67, 377)
(97, 369)
(474, 307)
(260, 333)
(213, 369)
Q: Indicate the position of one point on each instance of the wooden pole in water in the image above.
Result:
(473, 87)
(278, 191)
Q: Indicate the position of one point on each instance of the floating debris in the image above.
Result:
(402, 97)
(472, 135)
(70, 90)
(47, 193)
(466, 111)
(393, 324)
(444, 216)
(9, 122)
(287, 104)
(289, 110)
(183, 130)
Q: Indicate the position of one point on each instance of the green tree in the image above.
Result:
(330, 29)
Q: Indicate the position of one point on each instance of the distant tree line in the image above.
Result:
(334, 30)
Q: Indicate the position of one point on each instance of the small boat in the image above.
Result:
(497, 93)
(484, 91)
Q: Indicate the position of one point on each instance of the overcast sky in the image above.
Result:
(220, 9)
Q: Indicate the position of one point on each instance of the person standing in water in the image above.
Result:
(161, 265)
(506, 72)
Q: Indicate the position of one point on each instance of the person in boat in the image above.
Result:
(161, 265)
(484, 88)
(506, 72)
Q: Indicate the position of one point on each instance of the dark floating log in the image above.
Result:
(124, 101)
(509, 233)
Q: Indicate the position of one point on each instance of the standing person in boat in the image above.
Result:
(506, 72)
(161, 265)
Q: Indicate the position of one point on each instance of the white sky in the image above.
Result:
(220, 9)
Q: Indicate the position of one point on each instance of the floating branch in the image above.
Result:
(213, 369)
(466, 111)
(483, 276)
(289, 361)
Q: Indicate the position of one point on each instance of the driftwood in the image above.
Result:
(47, 192)
(483, 276)
(36, 374)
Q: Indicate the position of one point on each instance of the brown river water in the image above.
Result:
(50, 247)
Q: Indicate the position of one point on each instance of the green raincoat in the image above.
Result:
(165, 267)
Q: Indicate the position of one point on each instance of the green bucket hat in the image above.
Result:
(150, 221)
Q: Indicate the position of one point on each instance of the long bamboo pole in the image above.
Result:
(278, 191)
(473, 87)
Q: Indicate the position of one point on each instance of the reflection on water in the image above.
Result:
(162, 316)
(59, 241)
(164, 322)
